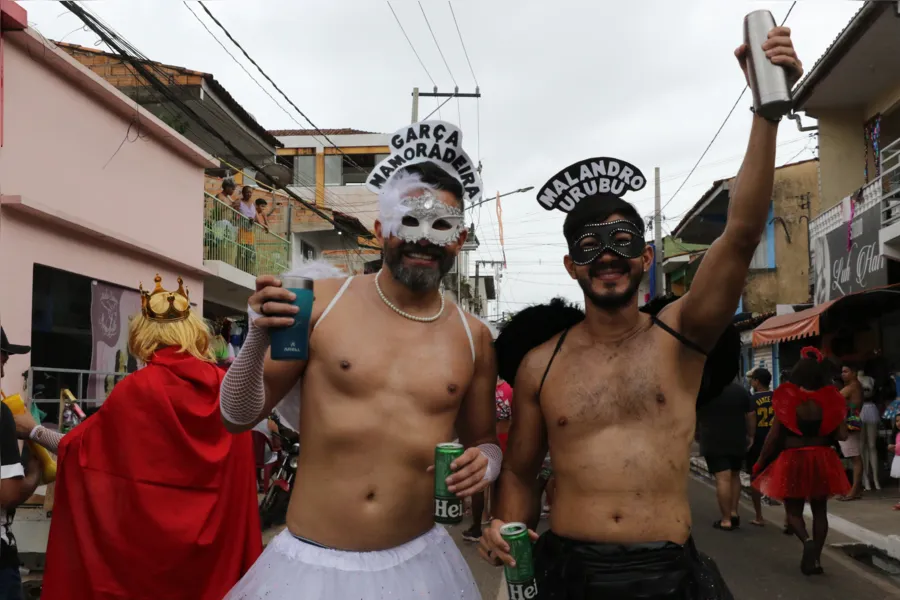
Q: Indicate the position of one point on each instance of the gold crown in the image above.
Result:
(162, 305)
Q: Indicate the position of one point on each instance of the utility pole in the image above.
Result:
(416, 94)
(658, 245)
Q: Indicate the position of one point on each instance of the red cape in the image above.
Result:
(154, 498)
(788, 396)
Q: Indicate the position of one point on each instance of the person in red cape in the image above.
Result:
(798, 462)
(154, 499)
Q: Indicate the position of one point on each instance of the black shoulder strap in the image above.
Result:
(559, 344)
(692, 345)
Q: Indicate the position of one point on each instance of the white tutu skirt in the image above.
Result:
(869, 413)
(850, 447)
(895, 468)
(429, 566)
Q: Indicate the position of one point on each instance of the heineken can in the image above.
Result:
(448, 509)
(519, 579)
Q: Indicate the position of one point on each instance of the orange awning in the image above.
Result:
(792, 326)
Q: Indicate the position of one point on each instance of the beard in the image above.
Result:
(418, 279)
(610, 301)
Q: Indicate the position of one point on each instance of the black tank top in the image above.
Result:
(678, 336)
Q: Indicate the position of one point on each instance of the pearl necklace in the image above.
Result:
(403, 313)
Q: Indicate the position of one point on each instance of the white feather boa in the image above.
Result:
(289, 408)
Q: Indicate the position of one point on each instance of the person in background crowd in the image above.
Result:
(227, 193)
(503, 398)
(760, 382)
(850, 447)
(870, 419)
(546, 483)
(17, 484)
(262, 217)
(726, 424)
(895, 448)
(154, 498)
(809, 416)
(244, 206)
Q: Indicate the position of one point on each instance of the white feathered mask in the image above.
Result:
(409, 209)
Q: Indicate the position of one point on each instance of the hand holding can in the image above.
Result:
(448, 507)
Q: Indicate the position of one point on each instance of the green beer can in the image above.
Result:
(519, 579)
(448, 509)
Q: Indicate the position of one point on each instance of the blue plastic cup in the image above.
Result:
(292, 343)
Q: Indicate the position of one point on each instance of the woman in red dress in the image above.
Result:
(809, 417)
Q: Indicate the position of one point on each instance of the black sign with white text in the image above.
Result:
(587, 178)
(840, 272)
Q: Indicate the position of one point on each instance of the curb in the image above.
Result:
(889, 544)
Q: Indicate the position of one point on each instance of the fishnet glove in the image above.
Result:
(46, 438)
(495, 458)
(243, 394)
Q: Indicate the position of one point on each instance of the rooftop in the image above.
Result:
(858, 64)
(719, 188)
(245, 117)
(343, 131)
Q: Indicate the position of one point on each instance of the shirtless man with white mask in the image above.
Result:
(613, 394)
(393, 370)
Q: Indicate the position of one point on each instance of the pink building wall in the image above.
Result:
(68, 203)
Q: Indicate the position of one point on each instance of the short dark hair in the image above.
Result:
(261, 201)
(762, 375)
(440, 179)
(245, 188)
(600, 207)
(228, 183)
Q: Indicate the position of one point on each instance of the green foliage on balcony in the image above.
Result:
(234, 239)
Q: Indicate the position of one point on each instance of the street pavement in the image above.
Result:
(758, 563)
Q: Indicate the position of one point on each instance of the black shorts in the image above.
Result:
(753, 454)
(716, 463)
(567, 569)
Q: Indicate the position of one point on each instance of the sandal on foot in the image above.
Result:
(735, 522)
(718, 525)
(758, 523)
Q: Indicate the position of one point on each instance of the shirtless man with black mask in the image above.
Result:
(613, 395)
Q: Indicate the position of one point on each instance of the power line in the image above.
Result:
(413, 48)
(440, 106)
(722, 126)
(252, 78)
(140, 64)
(278, 89)
(466, 52)
(474, 78)
(441, 52)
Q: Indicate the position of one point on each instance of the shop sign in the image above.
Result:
(840, 271)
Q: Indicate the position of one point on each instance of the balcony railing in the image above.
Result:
(234, 239)
(888, 183)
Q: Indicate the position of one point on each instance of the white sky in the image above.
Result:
(645, 81)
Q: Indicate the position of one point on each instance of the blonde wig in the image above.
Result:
(190, 334)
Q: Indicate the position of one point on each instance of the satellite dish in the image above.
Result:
(275, 174)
